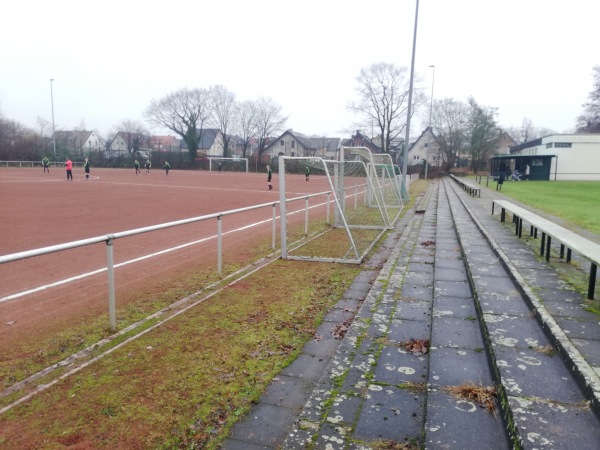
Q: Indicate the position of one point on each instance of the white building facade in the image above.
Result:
(576, 156)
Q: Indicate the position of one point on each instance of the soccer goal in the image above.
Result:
(364, 195)
(216, 164)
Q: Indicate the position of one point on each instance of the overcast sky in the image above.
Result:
(109, 59)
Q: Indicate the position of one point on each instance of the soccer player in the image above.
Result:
(269, 176)
(167, 166)
(69, 167)
(86, 168)
(147, 165)
(306, 173)
(136, 164)
(46, 164)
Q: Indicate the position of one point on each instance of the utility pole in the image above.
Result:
(430, 131)
(409, 108)
(52, 104)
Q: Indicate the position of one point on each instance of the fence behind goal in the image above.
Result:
(365, 197)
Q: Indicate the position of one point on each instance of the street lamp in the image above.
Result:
(52, 103)
(430, 132)
(408, 109)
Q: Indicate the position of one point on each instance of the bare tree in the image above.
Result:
(44, 126)
(527, 132)
(223, 110)
(482, 133)
(268, 120)
(246, 124)
(17, 142)
(383, 100)
(449, 118)
(589, 120)
(184, 112)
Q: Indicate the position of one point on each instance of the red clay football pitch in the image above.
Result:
(39, 209)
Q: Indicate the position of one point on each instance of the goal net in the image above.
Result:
(363, 194)
(216, 164)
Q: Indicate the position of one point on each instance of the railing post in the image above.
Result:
(274, 226)
(306, 216)
(219, 246)
(110, 268)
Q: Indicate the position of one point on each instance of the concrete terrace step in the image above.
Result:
(441, 282)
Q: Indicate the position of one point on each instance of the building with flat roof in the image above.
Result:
(555, 157)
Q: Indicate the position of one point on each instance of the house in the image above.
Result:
(505, 142)
(427, 147)
(124, 141)
(358, 139)
(210, 142)
(292, 143)
(554, 157)
(77, 142)
(164, 143)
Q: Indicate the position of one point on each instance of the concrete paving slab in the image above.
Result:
(590, 348)
(458, 424)
(288, 391)
(576, 328)
(308, 367)
(419, 278)
(515, 331)
(332, 437)
(422, 258)
(557, 295)
(460, 333)
(530, 373)
(453, 288)
(325, 347)
(417, 292)
(457, 307)
(500, 285)
(412, 310)
(338, 315)
(390, 413)
(420, 268)
(544, 424)
(401, 331)
(493, 303)
(265, 425)
(396, 366)
(477, 259)
(458, 274)
(449, 263)
(456, 366)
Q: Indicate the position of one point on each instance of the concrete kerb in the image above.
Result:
(587, 377)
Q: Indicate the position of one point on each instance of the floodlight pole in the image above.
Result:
(408, 109)
(430, 132)
(52, 104)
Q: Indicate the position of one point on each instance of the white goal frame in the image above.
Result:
(218, 158)
(376, 199)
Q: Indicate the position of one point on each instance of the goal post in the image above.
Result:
(364, 195)
(217, 164)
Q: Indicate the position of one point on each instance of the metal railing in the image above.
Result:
(110, 238)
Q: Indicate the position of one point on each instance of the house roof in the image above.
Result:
(311, 142)
(358, 135)
(207, 137)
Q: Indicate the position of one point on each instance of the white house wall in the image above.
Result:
(580, 162)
